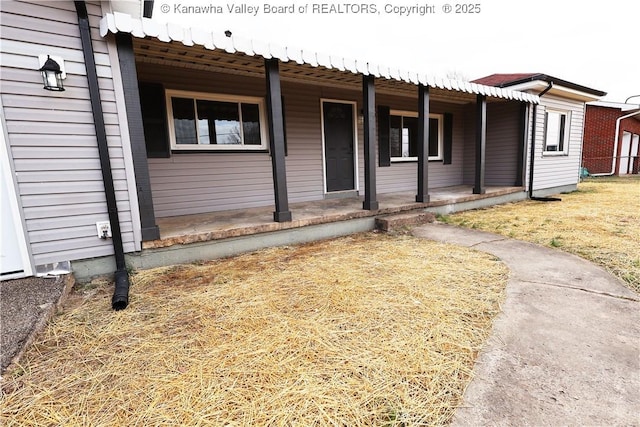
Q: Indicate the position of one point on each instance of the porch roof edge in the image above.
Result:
(117, 22)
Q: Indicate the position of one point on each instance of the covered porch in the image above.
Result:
(359, 140)
(187, 229)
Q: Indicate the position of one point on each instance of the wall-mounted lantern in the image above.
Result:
(52, 72)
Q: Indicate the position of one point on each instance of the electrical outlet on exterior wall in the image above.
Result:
(104, 229)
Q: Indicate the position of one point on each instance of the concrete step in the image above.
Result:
(403, 220)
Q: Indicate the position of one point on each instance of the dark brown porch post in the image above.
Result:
(481, 143)
(423, 144)
(369, 94)
(522, 143)
(276, 140)
(124, 44)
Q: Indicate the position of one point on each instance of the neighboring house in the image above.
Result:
(611, 138)
(559, 123)
(194, 123)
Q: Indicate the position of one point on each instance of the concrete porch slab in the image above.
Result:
(214, 235)
(187, 229)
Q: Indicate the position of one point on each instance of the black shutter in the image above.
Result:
(384, 157)
(447, 138)
(563, 121)
(154, 119)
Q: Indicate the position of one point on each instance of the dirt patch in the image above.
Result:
(364, 330)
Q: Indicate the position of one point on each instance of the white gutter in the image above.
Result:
(615, 145)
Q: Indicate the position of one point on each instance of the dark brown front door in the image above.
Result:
(338, 145)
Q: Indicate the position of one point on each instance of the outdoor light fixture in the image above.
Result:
(52, 73)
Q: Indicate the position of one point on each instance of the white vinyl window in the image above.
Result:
(200, 121)
(556, 132)
(403, 136)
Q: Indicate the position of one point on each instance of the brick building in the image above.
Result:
(611, 138)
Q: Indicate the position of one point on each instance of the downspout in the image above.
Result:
(615, 145)
(121, 293)
(533, 139)
(147, 8)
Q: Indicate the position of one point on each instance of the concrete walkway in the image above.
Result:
(566, 348)
(26, 305)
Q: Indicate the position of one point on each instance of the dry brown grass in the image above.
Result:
(364, 330)
(599, 222)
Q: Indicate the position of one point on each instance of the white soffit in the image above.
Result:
(123, 23)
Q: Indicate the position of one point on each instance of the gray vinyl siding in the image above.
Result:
(191, 183)
(403, 176)
(527, 155)
(469, 155)
(52, 136)
(503, 139)
(304, 133)
(558, 170)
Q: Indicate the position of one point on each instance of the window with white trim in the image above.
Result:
(556, 131)
(199, 121)
(403, 136)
